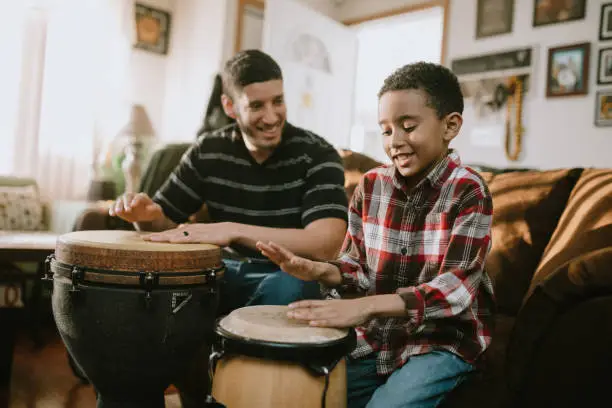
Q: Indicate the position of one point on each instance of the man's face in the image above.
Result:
(260, 111)
(414, 138)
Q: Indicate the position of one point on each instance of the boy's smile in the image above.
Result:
(414, 137)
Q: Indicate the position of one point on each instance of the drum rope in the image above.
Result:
(326, 386)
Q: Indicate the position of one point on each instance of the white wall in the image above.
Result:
(558, 132)
(148, 73)
(195, 55)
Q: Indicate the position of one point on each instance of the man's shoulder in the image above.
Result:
(308, 140)
(219, 136)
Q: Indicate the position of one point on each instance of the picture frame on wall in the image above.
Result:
(567, 71)
(152, 27)
(604, 66)
(494, 17)
(546, 12)
(603, 108)
(605, 22)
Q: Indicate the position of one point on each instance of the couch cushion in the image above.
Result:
(585, 226)
(20, 208)
(526, 209)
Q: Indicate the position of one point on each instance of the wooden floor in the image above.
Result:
(42, 378)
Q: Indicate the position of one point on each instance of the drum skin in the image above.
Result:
(270, 361)
(132, 345)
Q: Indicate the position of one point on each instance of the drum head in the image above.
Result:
(271, 324)
(127, 251)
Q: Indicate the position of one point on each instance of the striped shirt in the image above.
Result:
(302, 181)
(429, 245)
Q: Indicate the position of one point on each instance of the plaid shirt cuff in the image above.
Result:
(415, 305)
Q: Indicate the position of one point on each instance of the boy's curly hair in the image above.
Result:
(438, 82)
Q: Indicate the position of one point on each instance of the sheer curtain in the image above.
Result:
(70, 59)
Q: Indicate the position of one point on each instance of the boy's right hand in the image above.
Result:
(136, 208)
(294, 265)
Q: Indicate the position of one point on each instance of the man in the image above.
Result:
(262, 179)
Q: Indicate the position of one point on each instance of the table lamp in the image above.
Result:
(137, 130)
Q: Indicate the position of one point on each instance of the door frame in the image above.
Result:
(242, 4)
(445, 4)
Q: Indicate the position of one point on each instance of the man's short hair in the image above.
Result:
(438, 82)
(248, 67)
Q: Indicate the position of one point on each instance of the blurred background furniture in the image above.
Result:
(29, 227)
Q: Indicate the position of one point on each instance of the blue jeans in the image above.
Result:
(422, 382)
(261, 283)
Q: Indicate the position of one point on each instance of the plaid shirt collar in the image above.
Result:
(434, 179)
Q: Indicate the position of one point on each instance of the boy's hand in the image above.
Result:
(331, 313)
(294, 265)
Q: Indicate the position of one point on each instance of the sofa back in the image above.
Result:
(527, 206)
(584, 227)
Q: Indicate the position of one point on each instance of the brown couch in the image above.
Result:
(551, 264)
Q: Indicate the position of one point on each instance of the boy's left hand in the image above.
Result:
(331, 313)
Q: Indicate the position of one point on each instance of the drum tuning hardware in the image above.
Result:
(48, 274)
(148, 280)
(76, 275)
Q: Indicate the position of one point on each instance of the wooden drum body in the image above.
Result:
(132, 313)
(266, 360)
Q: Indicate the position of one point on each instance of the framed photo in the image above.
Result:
(152, 29)
(605, 23)
(604, 66)
(603, 108)
(567, 72)
(553, 12)
(494, 17)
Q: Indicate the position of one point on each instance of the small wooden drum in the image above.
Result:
(268, 360)
(132, 313)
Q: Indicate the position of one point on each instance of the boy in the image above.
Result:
(411, 272)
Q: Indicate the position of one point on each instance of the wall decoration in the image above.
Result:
(152, 29)
(495, 88)
(605, 22)
(603, 108)
(494, 17)
(557, 11)
(567, 72)
(604, 66)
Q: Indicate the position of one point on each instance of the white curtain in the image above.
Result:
(70, 59)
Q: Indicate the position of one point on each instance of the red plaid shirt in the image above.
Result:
(429, 245)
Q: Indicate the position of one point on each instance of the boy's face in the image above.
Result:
(414, 138)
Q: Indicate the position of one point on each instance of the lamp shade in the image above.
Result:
(139, 124)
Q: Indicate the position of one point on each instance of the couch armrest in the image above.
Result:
(562, 310)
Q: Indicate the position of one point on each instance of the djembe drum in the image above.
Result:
(132, 313)
(263, 359)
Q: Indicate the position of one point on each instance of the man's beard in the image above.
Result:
(248, 133)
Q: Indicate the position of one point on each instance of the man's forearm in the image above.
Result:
(312, 242)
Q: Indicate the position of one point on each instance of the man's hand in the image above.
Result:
(136, 208)
(332, 313)
(214, 233)
(294, 265)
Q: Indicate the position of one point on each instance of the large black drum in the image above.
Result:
(133, 313)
